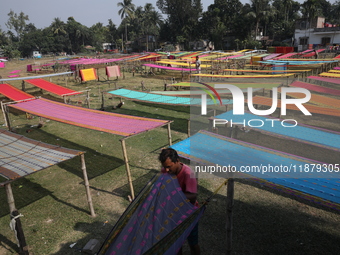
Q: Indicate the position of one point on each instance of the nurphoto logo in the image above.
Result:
(239, 102)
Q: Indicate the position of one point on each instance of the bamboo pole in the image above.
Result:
(23, 249)
(169, 134)
(229, 212)
(23, 86)
(3, 112)
(128, 173)
(189, 126)
(87, 186)
(231, 131)
(88, 99)
(10, 197)
(103, 99)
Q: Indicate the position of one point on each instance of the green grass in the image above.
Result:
(55, 209)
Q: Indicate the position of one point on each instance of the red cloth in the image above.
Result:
(187, 179)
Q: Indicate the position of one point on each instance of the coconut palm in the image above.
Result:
(261, 9)
(148, 22)
(58, 27)
(311, 9)
(127, 9)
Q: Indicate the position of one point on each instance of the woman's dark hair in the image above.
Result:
(168, 153)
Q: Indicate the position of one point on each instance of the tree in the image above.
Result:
(311, 9)
(98, 35)
(36, 39)
(335, 13)
(127, 9)
(111, 35)
(77, 34)
(182, 17)
(3, 39)
(283, 24)
(261, 9)
(151, 22)
(58, 27)
(59, 35)
(17, 22)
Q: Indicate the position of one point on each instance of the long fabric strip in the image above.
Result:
(158, 222)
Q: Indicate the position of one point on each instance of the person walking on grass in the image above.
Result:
(198, 66)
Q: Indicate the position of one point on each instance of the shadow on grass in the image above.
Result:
(180, 123)
(258, 228)
(264, 229)
(8, 245)
(307, 201)
(95, 230)
(25, 192)
(92, 157)
(138, 184)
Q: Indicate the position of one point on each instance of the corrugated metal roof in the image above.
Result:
(21, 156)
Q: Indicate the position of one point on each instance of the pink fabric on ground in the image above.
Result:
(15, 71)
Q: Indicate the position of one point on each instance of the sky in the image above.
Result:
(87, 12)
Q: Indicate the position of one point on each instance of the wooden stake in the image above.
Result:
(103, 100)
(23, 249)
(231, 131)
(189, 127)
(10, 197)
(229, 212)
(169, 134)
(6, 117)
(88, 98)
(23, 86)
(127, 168)
(3, 112)
(87, 186)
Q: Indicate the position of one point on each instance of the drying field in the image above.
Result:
(53, 201)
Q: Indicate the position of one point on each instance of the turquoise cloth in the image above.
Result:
(161, 99)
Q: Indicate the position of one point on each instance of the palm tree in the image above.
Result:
(311, 9)
(58, 26)
(127, 9)
(157, 20)
(336, 10)
(152, 21)
(147, 23)
(111, 32)
(17, 22)
(287, 6)
(260, 10)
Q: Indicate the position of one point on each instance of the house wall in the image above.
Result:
(316, 38)
(317, 35)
